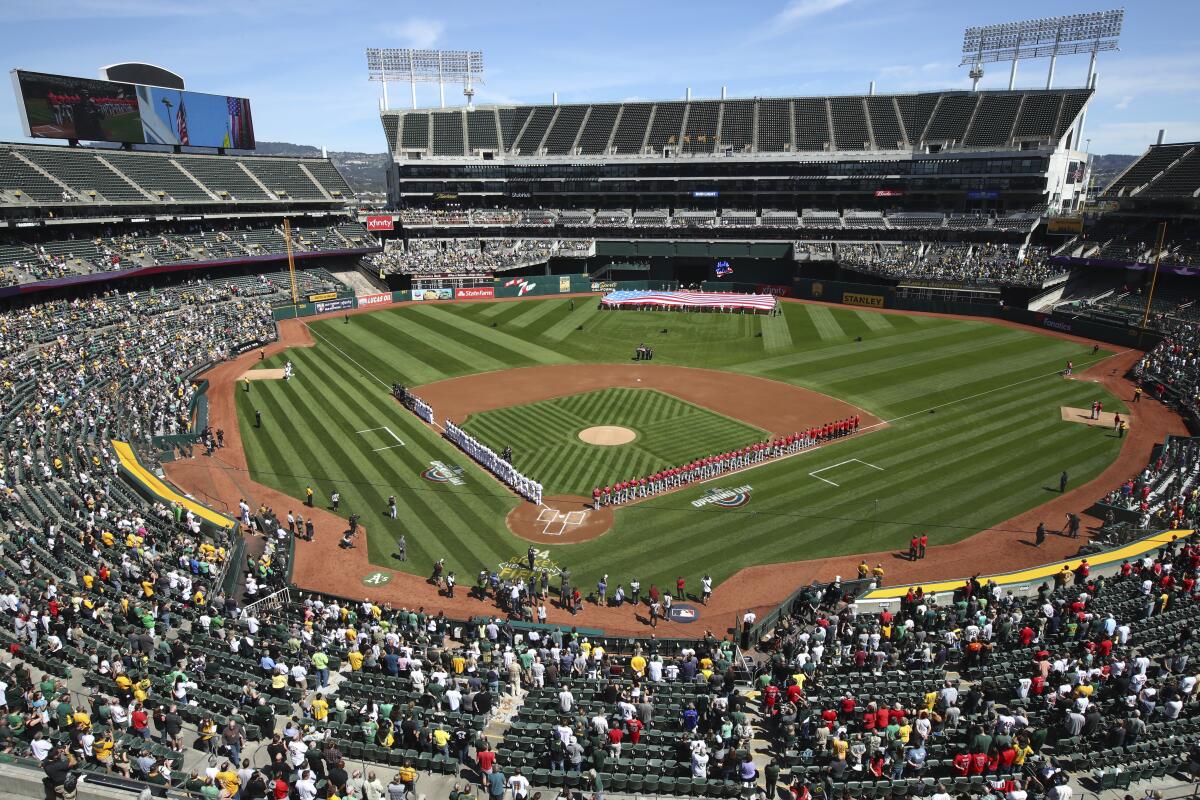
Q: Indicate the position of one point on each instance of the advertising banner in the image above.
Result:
(384, 299)
(564, 284)
(313, 298)
(377, 223)
(604, 286)
(341, 304)
(474, 292)
(65, 107)
(870, 300)
(772, 288)
(1068, 225)
(441, 293)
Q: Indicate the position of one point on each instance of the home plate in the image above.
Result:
(1084, 416)
(262, 375)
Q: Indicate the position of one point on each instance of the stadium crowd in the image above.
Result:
(472, 256)
(131, 652)
(971, 265)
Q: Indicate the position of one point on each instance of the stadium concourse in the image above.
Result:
(756, 589)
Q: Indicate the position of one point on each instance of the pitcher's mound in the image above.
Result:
(1084, 417)
(607, 435)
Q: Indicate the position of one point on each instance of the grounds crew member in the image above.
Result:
(308, 495)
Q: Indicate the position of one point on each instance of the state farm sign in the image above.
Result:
(470, 292)
(375, 299)
(380, 224)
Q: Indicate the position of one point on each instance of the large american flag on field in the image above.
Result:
(757, 302)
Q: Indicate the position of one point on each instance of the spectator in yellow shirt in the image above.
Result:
(320, 708)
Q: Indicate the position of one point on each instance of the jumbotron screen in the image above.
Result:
(63, 107)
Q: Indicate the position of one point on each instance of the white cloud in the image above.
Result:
(1123, 103)
(417, 32)
(797, 10)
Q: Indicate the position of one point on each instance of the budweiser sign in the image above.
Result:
(383, 299)
(380, 224)
(472, 292)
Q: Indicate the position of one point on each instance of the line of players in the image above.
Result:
(713, 466)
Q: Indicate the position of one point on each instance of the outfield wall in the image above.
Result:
(863, 295)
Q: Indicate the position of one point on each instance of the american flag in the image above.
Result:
(181, 122)
(238, 124)
(757, 302)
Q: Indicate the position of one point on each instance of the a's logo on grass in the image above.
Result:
(440, 472)
(682, 612)
(376, 579)
(725, 498)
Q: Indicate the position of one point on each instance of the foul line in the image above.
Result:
(839, 464)
(370, 374)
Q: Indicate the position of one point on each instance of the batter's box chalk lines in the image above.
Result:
(549, 517)
(815, 474)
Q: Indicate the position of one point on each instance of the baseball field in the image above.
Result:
(966, 430)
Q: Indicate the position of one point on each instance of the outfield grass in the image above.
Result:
(545, 441)
(975, 434)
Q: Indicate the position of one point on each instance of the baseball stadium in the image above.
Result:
(782, 447)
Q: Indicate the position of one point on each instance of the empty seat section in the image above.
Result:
(812, 124)
(391, 131)
(481, 131)
(597, 130)
(950, 120)
(884, 123)
(1073, 103)
(157, 173)
(700, 135)
(531, 140)
(774, 126)
(631, 129)
(1145, 168)
(993, 121)
(81, 170)
(915, 110)
(223, 175)
(414, 132)
(512, 120)
(282, 175)
(16, 175)
(737, 125)
(1038, 115)
(447, 133)
(560, 141)
(328, 176)
(664, 130)
(849, 123)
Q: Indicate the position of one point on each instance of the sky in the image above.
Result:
(303, 66)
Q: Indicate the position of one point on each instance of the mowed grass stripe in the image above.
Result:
(777, 336)
(900, 355)
(530, 315)
(846, 351)
(372, 337)
(353, 413)
(826, 324)
(473, 337)
(585, 310)
(880, 323)
(496, 309)
(519, 347)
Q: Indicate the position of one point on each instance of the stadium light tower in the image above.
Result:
(404, 64)
(1048, 37)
